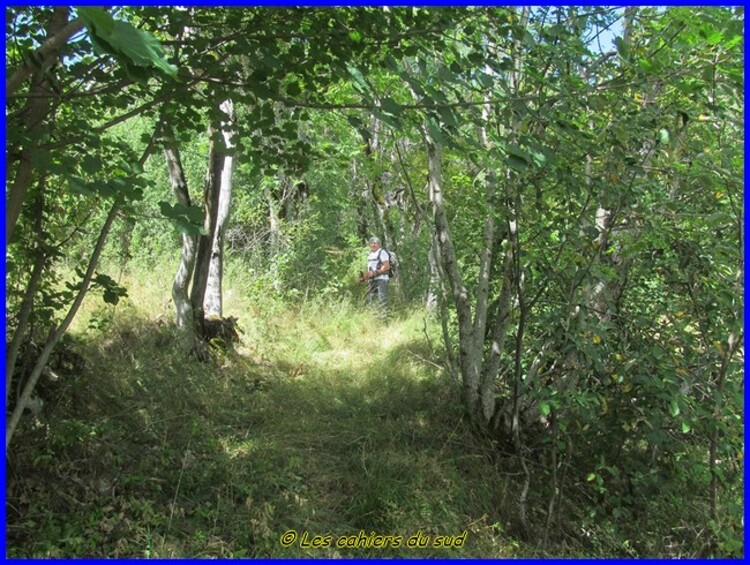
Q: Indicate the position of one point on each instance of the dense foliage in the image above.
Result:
(562, 187)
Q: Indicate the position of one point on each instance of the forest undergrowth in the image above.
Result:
(326, 432)
(324, 421)
(569, 179)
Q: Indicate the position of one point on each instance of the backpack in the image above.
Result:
(393, 271)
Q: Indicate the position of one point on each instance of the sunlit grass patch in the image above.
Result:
(325, 420)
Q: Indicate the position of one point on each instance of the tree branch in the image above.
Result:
(42, 57)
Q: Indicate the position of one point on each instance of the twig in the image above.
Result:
(179, 481)
(426, 335)
(450, 436)
(43, 55)
(441, 367)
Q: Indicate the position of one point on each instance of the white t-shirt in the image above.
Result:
(376, 259)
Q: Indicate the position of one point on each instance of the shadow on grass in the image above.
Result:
(382, 449)
(147, 453)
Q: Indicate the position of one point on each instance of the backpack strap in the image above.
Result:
(380, 261)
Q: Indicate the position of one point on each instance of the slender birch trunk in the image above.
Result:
(469, 359)
(184, 310)
(212, 302)
(211, 193)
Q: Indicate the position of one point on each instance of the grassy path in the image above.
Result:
(325, 434)
(333, 426)
(367, 440)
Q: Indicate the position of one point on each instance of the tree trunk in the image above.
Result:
(442, 302)
(470, 360)
(433, 289)
(27, 303)
(55, 336)
(377, 188)
(184, 310)
(499, 331)
(212, 302)
(37, 109)
(211, 193)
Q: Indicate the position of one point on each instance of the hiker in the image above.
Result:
(378, 266)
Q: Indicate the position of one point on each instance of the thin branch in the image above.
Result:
(422, 214)
(41, 57)
(57, 333)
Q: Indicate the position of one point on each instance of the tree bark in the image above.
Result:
(205, 241)
(212, 204)
(470, 360)
(37, 109)
(441, 297)
(56, 37)
(433, 289)
(376, 188)
(184, 310)
(501, 323)
(41, 362)
(27, 303)
(212, 302)
(490, 369)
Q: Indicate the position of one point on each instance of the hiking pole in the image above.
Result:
(370, 287)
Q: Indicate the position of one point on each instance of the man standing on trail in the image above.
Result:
(378, 266)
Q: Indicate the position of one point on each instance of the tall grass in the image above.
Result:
(325, 421)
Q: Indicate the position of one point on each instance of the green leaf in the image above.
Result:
(188, 220)
(104, 280)
(98, 19)
(359, 80)
(544, 408)
(411, 50)
(294, 89)
(271, 61)
(674, 408)
(516, 151)
(91, 164)
(142, 48)
(485, 80)
(78, 187)
(686, 427)
(435, 132)
(448, 116)
(112, 291)
(476, 59)
(714, 37)
(387, 118)
(622, 47)
(41, 160)
(517, 164)
(111, 297)
(390, 106)
(137, 50)
(536, 154)
(646, 65)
